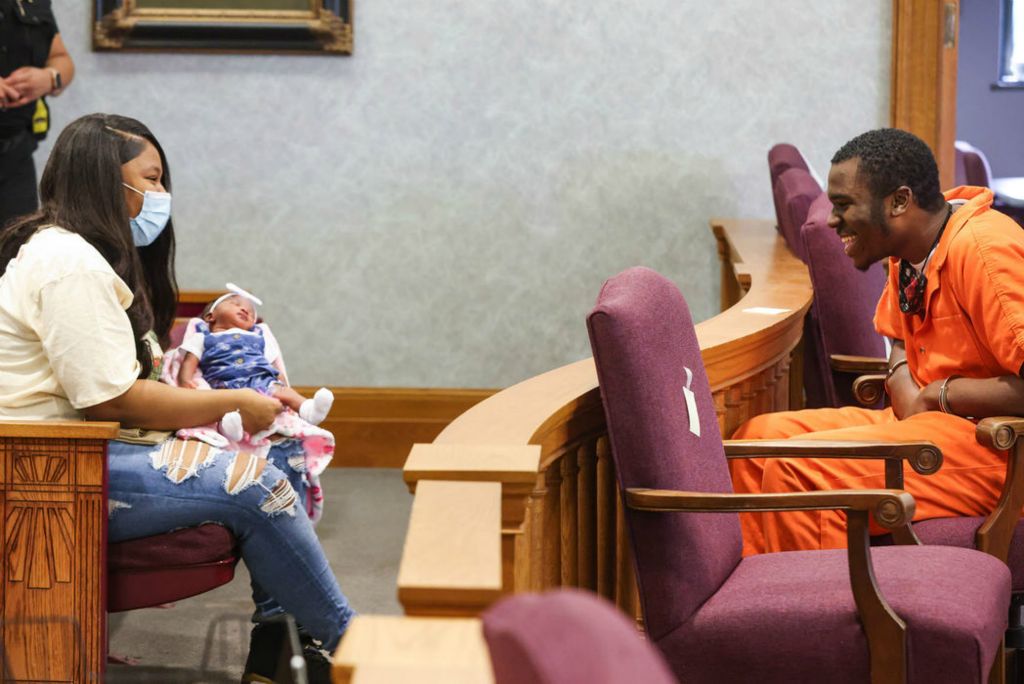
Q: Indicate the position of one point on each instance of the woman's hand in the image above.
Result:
(258, 411)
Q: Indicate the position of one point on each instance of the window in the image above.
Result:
(1011, 51)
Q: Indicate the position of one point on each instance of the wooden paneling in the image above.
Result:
(52, 582)
(924, 61)
(375, 427)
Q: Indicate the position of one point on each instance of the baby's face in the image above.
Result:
(233, 312)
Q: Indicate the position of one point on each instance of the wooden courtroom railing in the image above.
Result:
(544, 442)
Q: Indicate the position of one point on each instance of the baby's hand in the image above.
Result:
(190, 384)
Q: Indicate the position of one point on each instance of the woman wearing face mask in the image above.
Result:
(87, 290)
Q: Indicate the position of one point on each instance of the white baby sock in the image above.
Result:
(231, 426)
(316, 409)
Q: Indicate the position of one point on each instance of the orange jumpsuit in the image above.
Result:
(973, 326)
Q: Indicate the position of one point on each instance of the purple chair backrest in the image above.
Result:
(646, 353)
(972, 163)
(783, 157)
(793, 194)
(568, 637)
(844, 304)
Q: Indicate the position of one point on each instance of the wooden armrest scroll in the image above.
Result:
(58, 429)
(996, 534)
(1000, 432)
(845, 363)
(868, 390)
(885, 631)
(890, 507)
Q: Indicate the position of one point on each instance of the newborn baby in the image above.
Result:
(232, 352)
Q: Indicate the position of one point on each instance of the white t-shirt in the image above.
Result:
(65, 339)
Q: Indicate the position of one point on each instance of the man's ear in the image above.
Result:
(901, 199)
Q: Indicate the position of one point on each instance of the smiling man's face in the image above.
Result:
(857, 217)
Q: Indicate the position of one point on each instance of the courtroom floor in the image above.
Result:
(205, 639)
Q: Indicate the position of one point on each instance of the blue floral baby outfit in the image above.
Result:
(235, 359)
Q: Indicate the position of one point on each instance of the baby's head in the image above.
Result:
(231, 311)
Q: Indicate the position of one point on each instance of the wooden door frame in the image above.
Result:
(925, 40)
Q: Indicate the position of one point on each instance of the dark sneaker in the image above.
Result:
(268, 658)
(318, 665)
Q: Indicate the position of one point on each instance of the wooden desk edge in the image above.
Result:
(58, 429)
(507, 464)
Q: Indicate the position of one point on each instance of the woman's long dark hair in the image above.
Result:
(81, 191)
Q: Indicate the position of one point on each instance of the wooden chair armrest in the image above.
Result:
(58, 429)
(868, 390)
(845, 363)
(885, 631)
(996, 534)
(890, 507)
(924, 457)
(1000, 432)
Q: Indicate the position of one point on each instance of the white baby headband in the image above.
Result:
(234, 290)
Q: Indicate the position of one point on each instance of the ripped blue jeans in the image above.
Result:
(152, 490)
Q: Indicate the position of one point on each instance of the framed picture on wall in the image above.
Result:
(261, 26)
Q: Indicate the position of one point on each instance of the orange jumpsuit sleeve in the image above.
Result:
(986, 270)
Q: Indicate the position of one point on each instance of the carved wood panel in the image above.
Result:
(53, 526)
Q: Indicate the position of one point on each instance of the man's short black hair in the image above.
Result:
(890, 158)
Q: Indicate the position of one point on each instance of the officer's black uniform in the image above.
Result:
(27, 28)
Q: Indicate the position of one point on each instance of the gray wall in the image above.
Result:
(988, 119)
(441, 208)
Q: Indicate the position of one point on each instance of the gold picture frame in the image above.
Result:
(239, 26)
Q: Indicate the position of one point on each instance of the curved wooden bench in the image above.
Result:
(544, 440)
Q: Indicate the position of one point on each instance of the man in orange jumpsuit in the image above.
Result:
(954, 306)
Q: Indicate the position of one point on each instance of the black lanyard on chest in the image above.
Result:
(912, 283)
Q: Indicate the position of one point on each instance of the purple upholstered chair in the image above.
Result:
(929, 613)
(971, 166)
(794, 192)
(841, 316)
(972, 169)
(782, 157)
(568, 637)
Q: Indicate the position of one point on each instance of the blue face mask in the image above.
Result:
(152, 219)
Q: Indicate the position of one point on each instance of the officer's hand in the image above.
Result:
(30, 83)
(8, 94)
